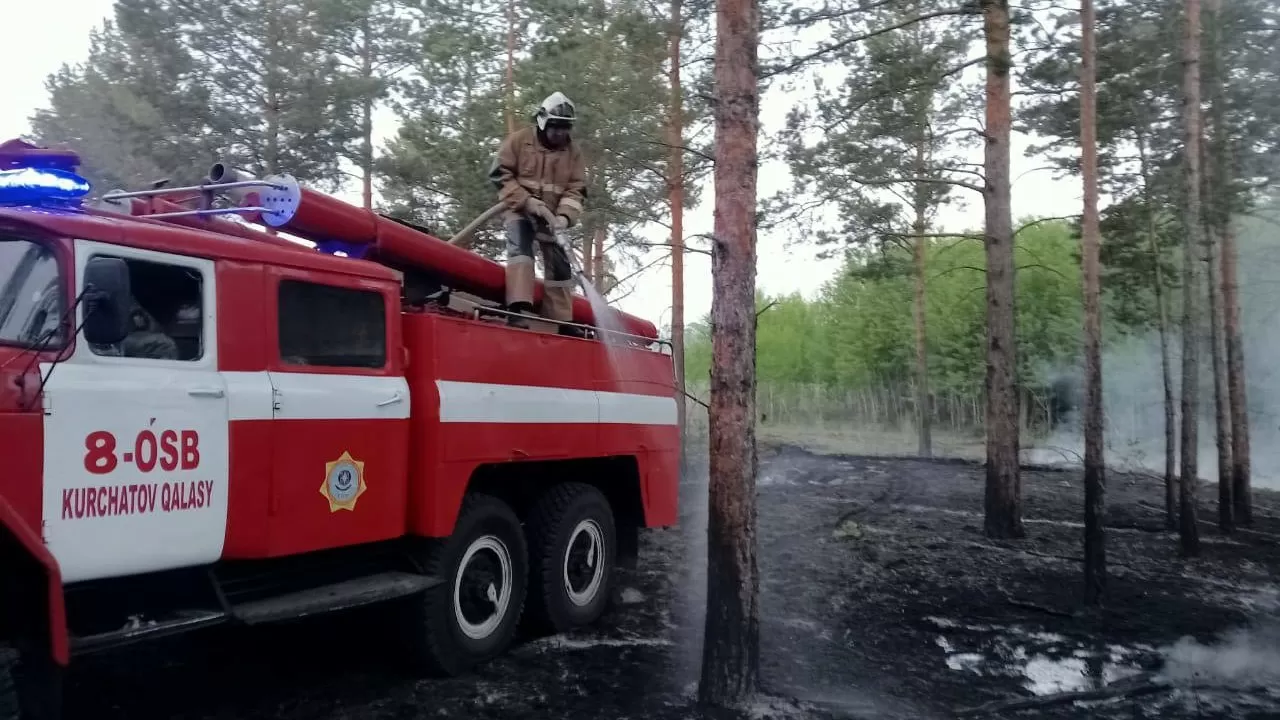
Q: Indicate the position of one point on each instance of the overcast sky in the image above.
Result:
(62, 36)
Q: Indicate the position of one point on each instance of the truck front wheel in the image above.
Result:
(572, 546)
(472, 616)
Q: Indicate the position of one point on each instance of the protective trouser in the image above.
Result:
(557, 298)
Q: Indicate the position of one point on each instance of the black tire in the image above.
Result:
(440, 642)
(566, 521)
(29, 690)
(8, 686)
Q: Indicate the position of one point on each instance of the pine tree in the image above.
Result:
(133, 110)
(372, 41)
(1095, 553)
(434, 172)
(1192, 247)
(273, 84)
(882, 148)
(1003, 500)
(731, 644)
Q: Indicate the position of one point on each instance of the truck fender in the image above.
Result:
(31, 542)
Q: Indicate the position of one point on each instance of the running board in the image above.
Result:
(328, 598)
(140, 629)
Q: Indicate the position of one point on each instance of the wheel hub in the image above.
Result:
(482, 587)
(583, 567)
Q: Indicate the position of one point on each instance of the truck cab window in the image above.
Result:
(331, 326)
(167, 314)
(31, 294)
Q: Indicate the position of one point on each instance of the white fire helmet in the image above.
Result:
(556, 107)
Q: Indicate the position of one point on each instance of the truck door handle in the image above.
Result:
(391, 400)
(206, 392)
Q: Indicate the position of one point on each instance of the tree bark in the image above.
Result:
(1095, 553)
(597, 257)
(1214, 198)
(1192, 245)
(1241, 494)
(1003, 501)
(1221, 412)
(675, 201)
(923, 410)
(1241, 490)
(509, 94)
(731, 646)
(366, 117)
(588, 258)
(1166, 370)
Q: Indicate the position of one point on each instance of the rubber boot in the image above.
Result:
(519, 290)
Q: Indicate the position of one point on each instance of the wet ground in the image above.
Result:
(880, 599)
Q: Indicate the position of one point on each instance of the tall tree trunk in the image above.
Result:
(1166, 370)
(1213, 197)
(675, 200)
(1003, 502)
(1221, 413)
(1095, 552)
(731, 645)
(597, 256)
(1241, 494)
(509, 92)
(366, 117)
(924, 414)
(1241, 490)
(1188, 531)
(588, 258)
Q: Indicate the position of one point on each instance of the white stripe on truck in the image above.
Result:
(465, 402)
(307, 396)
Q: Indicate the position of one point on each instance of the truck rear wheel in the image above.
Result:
(572, 552)
(472, 616)
(28, 691)
(8, 688)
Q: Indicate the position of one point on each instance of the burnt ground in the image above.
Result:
(880, 598)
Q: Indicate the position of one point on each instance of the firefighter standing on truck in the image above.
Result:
(539, 173)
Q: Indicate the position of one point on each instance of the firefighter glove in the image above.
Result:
(560, 224)
(539, 209)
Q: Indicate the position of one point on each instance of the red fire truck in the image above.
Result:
(204, 422)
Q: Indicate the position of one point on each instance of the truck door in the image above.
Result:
(340, 460)
(135, 435)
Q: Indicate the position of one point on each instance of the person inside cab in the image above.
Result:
(539, 173)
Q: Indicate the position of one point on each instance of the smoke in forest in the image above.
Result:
(1243, 658)
(1132, 385)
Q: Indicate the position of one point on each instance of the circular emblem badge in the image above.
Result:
(343, 482)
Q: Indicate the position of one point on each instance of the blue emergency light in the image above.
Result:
(33, 176)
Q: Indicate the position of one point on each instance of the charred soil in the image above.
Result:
(880, 598)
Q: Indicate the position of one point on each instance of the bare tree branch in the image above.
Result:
(806, 59)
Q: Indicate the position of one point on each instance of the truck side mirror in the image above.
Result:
(106, 300)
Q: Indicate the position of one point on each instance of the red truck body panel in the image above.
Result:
(464, 394)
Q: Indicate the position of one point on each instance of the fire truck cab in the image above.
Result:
(204, 424)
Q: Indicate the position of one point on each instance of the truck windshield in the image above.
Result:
(31, 298)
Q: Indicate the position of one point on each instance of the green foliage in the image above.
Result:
(452, 111)
(881, 146)
(858, 334)
(172, 86)
(451, 114)
(133, 110)
(276, 95)
(1140, 128)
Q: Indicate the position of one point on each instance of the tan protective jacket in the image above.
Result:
(524, 167)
